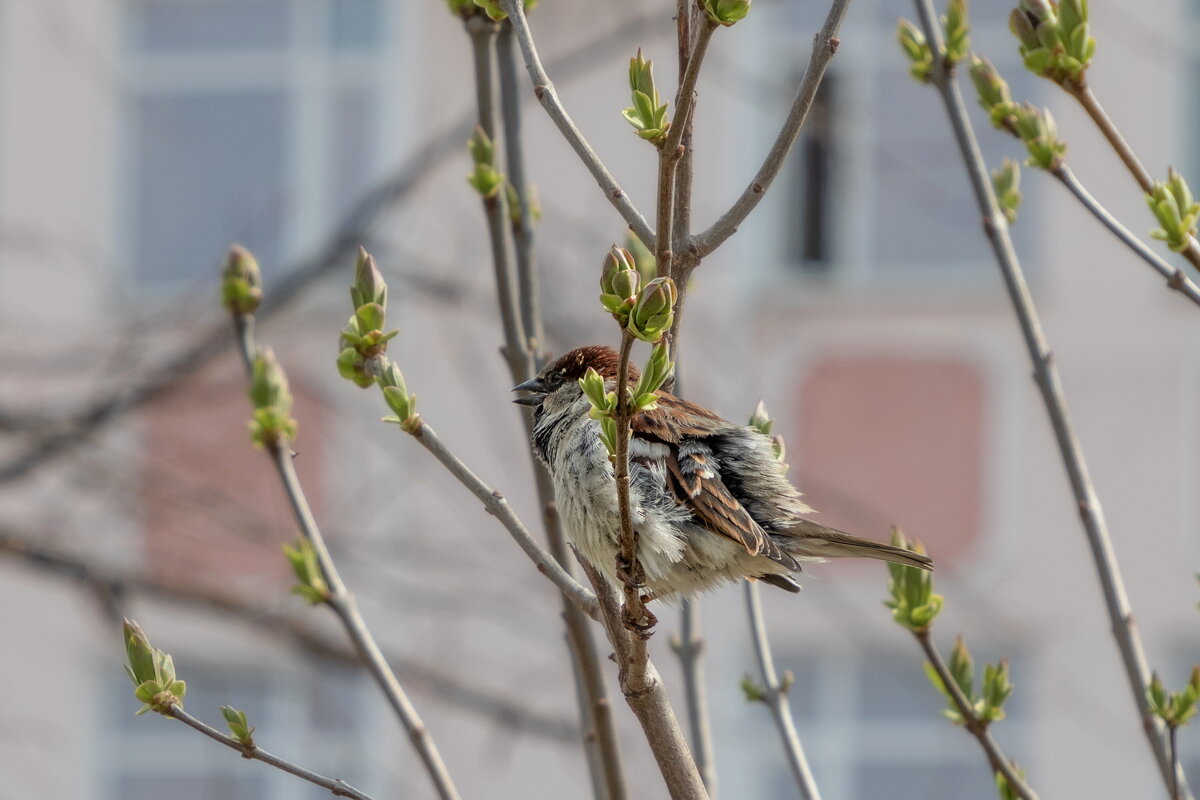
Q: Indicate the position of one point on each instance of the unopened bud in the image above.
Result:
(241, 281)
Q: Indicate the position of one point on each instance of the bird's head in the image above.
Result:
(566, 372)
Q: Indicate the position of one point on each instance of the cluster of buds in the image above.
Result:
(761, 421)
(958, 39)
(986, 705)
(1176, 211)
(152, 672)
(1039, 133)
(643, 259)
(239, 726)
(648, 114)
(725, 12)
(1176, 709)
(920, 54)
(646, 311)
(643, 396)
(1006, 183)
(311, 584)
(493, 9)
(484, 177)
(241, 282)
(398, 399)
(1054, 36)
(272, 400)
(913, 602)
(363, 341)
(993, 93)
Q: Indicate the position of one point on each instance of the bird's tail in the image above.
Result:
(814, 540)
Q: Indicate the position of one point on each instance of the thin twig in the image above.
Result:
(776, 698)
(463, 694)
(690, 648)
(633, 578)
(974, 725)
(336, 786)
(528, 283)
(825, 44)
(1175, 278)
(497, 505)
(543, 89)
(1091, 104)
(1046, 377)
(343, 603)
(1172, 730)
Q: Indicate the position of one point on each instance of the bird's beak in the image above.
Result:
(536, 389)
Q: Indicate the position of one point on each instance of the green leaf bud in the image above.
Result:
(958, 42)
(653, 313)
(369, 285)
(919, 54)
(760, 420)
(1006, 182)
(725, 12)
(485, 178)
(648, 114)
(311, 577)
(239, 726)
(241, 282)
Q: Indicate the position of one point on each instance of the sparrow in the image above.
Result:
(710, 502)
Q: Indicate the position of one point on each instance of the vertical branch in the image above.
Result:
(528, 283)
(1129, 644)
(343, 603)
(516, 351)
(776, 698)
(690, 648)
(523, 340)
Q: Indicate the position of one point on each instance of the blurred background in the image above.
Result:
(139, 138)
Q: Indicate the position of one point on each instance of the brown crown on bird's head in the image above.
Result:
(601, 358)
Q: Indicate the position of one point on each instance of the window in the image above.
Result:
(318, 718)
(875, 184)
(248, 120)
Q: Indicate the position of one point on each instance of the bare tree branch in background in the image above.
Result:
(1129, 645)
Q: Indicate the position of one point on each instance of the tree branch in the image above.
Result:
(543, 89)
(336, 786)
(650, 703)
(496, 505)
(467, 696)
(1046, 377)
(528, 282)
(825, 44)
(776, 698)
(974, 725)
(1091, 104)
(1175, 278)
(343, 603)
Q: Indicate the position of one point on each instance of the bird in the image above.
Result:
(710, 502)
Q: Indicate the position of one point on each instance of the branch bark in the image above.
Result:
(466, 695)
(1046, 377)
(544, 90)
(343, 603)
(1091, 104)
(776, 698)
(825, 44)
(335, 786)
(1176, 280)
(975, 726)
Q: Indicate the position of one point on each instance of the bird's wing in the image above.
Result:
(676, 432)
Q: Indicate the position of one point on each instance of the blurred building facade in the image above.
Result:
(138, 138)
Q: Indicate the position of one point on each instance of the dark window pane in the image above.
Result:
(213, 25)
(209, 170)
(925, 782)
(355, 23)
(811, 230)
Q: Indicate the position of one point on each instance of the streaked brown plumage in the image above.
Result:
(710, 502)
